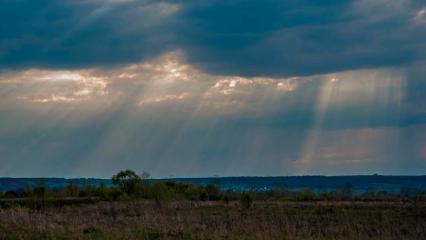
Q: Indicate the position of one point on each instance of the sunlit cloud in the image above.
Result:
(54, 99)
(55, 86)
(166, 98)
(167, 68)
(420, 16)
(288, 85)
(169, 78)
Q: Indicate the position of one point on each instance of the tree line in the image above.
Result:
(129, 186)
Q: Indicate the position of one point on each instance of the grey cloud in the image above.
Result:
(246, 38)
(303, 38)
(75, 34)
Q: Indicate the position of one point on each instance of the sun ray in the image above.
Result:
(381, 94)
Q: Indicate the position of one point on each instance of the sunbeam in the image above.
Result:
(148, 113)
(367, 97)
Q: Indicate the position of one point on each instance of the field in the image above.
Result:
(217, 220)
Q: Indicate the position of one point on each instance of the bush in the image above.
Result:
(369, 195)
(28, 192)
(327, 196)
(306, 195)
(212, 192)
(88, 191)
(228, 196)
(204, 196)
(113, 194)
(246, 200)
(38, 197)
(72, 190)
(159, 193)
(280, 193)
(347, 192)
(192, 193)
(11, 194)
(408, 193)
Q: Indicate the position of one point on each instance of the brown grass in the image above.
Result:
(215, 220)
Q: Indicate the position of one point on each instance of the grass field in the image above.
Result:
(216, 220)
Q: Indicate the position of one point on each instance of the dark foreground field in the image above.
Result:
(215, 220)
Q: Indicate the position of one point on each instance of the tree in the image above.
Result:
(127, 181)
(145, 175)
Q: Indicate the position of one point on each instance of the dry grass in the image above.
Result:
(209, 220)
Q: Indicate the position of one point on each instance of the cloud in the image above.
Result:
(54, 86)
(420, 16)
(302, 37)
(82, 34)
(164, 98)
(350, 99)
(165, 79)
(236, 38)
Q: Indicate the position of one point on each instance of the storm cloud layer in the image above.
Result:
(247, 38)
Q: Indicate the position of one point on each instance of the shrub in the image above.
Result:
(279, 193)
(212, 192)
(184, 187)
(113, 194)
(102, 191)
(123, 197)
(204, 196)
(72, 190)
(228, 196)
(306, 195)
(408, 192)
(369, 195)
(40, 190)
(28, 192)
(38, 197)
(88, 191)
(347, 192)
(11, 194)
(246, 200)
(328, 196)
(192, 193)
(159, 193)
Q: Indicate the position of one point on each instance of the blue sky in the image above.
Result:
(203, 88)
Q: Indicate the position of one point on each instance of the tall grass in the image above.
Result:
(216, 220)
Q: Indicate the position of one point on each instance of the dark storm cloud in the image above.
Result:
(73, 34)
(249, 37)
(303, 37)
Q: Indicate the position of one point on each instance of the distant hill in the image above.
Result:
(15, 184)
(360, 183)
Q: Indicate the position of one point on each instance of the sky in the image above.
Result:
(212, 88)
